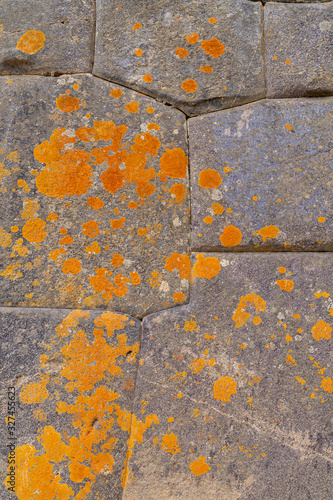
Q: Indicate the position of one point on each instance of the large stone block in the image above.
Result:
(198, 55)
(94, 195)
(38, 37)
(299, 51)
(67, 387)
(239, 384)
(262, 176)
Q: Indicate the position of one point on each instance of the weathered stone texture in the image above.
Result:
(74, 377)
(198, 55)
(43, 37)
(239, 384)
(262, 176)
(299, 49)
(94, 196)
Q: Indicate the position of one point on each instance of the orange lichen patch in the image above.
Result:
(241, 315)
(199, 467)
(101, 284)
(135, 278)
(327, 384)
(180, 52)
(54, 254)
(178, 192)
(23, 184)
(189, 85)
(34, 230)
(90, 229)
(170, 444)
(137, 26)
(67, 103)
(286, 285)
(117, 260)
(209, 178)
(213, 47)
(52, 217)
(208, 219)
(93, 248)
(268, 232)
(132, 107)
(223, 389)
(256, 320)
(19, 248)
(218, 209)
(179, 297)
(198, 364)
(150, 110)
(67, 172)
(288, 127)
(133, 205)
(206, 69)
(288, 338)
(116, 93)
(30, 208)
(321, 219)
(173, 163)
(180, 262)
(72, 266)
(190, 326)
(322, 294)
(290, 360)
(66, 240)
(31, 42)
(138, 52)
(95, 203)
(321, 330)
(193, 38)
(282, 270)
(212, 20)
(117, 223)
(206, 267)
(300, 380)
(35, 392)
(5, 238)
(231, 236)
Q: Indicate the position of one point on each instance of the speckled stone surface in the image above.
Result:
(261, 176)
(240, 383)
(94, 197)
(38, 37)
(198, 55)
(74, 377)
(299, 49)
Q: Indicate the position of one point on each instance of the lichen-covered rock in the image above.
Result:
(94, 197)
(298, 46)
(38, 37)
(262, 176)
(241, 383)
(198, 55)
(69, 379)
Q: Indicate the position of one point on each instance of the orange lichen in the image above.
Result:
(135, 278)
(190, 326)
(173, 163)
(170, 444)
(321, 219)
(199, 467)
(5, 238)
(189, 85)
(321, 330)
(116, 93)
(93, 248)
(327, 384)
(180, 52)
(180, 262)
(30, 208)
(268, 232)
(66, 240)
(67, 103)
(286, 285)
(212, 20)
(206, 69)
(193, 38)
(223, 389)
(137, 26)
(95, 203)
(35, 392)
(241, 315)
(117, 260)
(179, 297)
(213, 47)
(217, 208)
(138, 52)
(209, 178)
(231, 236)
(147, 78)
(90, 229)
(72, 266)
(132, 107)
(288, 127)
(117, 223)
(208, 219)
(290, 360)
(206, 267)
(179, 193)
(31, 42)
(34, 230)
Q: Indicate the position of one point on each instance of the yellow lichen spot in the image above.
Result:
(288, 127)
(5, 238)
(206, 267)
(288, 338)
(206, 69)
(193, 38)
(224, 388)
(286, 285)
(321, 330)
(170, 444)
(327, 384)
(321, 219)
(290, 360)
(231, 236)
(256, 320)
(213, 47)
(208, 219)
(189, 85)
(322, 294)
(241, 316)
(67, 103)
(14, 229)
(30, 209)
(282, 270)
(179, 297)
(190, 326)
(199, 467)
(209, 178)
(23, 184)
(138, 52)
(93, 248)
(147, 78)
(34, 230)
(132, 107)
(218, 209)
(268, 232)
(116, 93)
(173, 163)
(72, 266)
(212, 20)
(137, 26)
(3, 172)
(35, 392)
(300, 380)
(31, 42)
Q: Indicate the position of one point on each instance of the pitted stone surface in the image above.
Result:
(46, 37)
(299, 52)
(94, 197)
(73, 373)
(241, 383)
(198, 55)
(261, 176)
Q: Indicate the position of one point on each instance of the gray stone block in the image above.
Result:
(195, 55)
(95, 197)
(240, 384)
(262, 176)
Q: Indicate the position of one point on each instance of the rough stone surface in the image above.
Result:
(261, 176)
(46, 37)
(240, 383)
(74, 376)
(196, 55)
(93, 195)
(299, 50)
